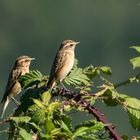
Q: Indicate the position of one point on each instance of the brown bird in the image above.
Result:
(13, 87)
(63, 63)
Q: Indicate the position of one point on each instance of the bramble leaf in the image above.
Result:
(135, 62)
(38, 103)
(105, 70)
(30, 79)
(24, 134)
(22, 119)
(88, 128)
(78, 76)
(137, 48)
(132, 106)
(46, 96)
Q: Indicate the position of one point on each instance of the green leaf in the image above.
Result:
(93, 125)
(80, 131)
(133, 108)
(37, 114)
(77, 78)
(68, 121)
(112, 97)
(49, 125)
(24, 134)
(105, 70)
(38, 103)
(137, 48)
(90, 71)
(135, 62)
(65, 128)
(30, 79)
(92, 137)
(46, 96)
(21, 119)
(52, 107)
(88, 128)
(35, 126)
(55, 133)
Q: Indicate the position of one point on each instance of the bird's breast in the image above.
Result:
(69, 61)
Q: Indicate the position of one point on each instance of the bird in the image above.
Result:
(21, 67)
(62, 63)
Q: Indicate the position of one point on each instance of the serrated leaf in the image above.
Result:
(77, 77)
(91, 124)
(38, 115)
(38, 103)
(21, 119)
(65, 128)
(137, 48)
(106, 70)
(24, 134)
(112, 97)
(80, 131)
(30, 79)
(35, 126)
(46, 96)
(49, 125)
(52, 107)
(133, 108)
(67, 120)
(90, 71)
(135, 62)
(88, 128)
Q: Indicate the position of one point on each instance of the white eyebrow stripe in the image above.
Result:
(68, 44)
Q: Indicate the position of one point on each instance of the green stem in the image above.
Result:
(128, 81)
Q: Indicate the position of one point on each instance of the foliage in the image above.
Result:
(45, 115)
(136, 61)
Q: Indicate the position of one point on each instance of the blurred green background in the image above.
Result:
(105, 28)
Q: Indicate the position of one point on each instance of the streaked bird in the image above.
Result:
(21, 67)
(63, 63)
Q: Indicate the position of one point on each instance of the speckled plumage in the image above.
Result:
(63, 62)
(13, 87)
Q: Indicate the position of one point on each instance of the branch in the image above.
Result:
(94, 111)
(128, 81)
(7, 120)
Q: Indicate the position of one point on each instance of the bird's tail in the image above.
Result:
(5, 104)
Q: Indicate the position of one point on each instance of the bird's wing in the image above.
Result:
(13, 77)
(58, 63)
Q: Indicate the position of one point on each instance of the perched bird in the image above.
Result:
(63, 63)
(13, 87)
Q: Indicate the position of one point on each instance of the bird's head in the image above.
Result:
(68, 45)
(23, 61)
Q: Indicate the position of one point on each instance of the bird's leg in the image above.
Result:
(15, 101)
(63, 86)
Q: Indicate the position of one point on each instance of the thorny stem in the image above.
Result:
(82, 102)
(94, 111)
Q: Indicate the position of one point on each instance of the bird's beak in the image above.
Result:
(77, 43)
(32, 58)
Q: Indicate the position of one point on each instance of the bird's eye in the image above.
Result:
(71, 44)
